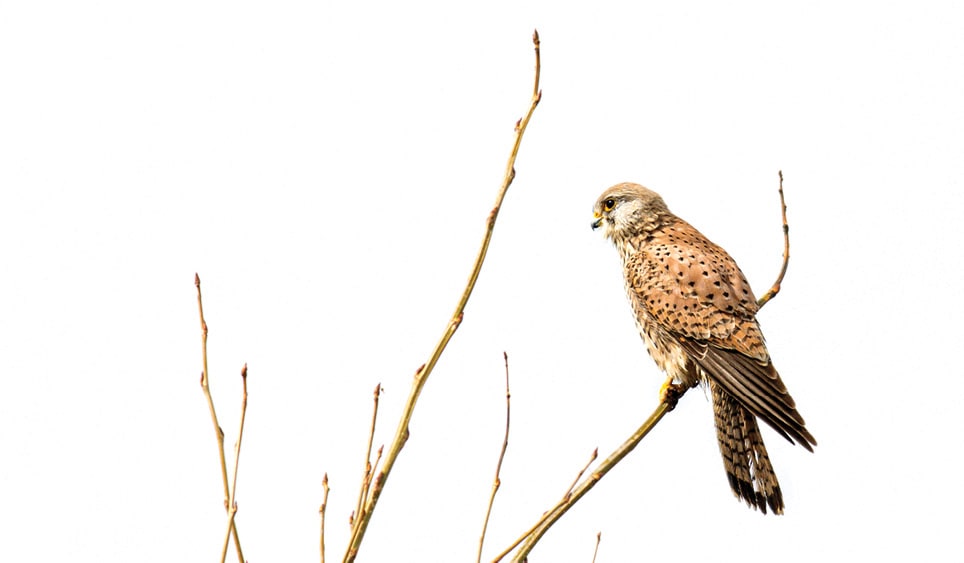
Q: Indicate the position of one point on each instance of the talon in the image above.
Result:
(670, 393)
(664, 388)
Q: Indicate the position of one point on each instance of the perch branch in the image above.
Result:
(548, 513)
(421, 375)
(589, 482)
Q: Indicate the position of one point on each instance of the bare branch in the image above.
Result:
(552, 516)
(775, 288)
(596, 551)
(219, 434)
(324, 506)
(545, 515)
(497, 482)
(366, 483)
(402, 432)
(232, 505)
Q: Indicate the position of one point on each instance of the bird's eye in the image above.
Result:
(609, 204)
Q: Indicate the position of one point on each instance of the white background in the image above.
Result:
(327, 171)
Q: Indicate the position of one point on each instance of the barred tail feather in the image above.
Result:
(745, 458)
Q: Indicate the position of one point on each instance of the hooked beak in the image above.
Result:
(597, 223)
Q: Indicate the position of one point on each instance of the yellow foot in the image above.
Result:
(670, 393)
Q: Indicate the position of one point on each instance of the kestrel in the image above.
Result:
(697, 314)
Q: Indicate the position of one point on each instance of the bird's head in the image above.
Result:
(626, 209)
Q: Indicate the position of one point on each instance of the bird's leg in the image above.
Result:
(670, 392)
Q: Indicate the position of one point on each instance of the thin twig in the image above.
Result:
(233, 506)
(421, 375)
(219, 434)
(497, 482)
(596, 551)
(378, 457)
(324, 506)
(592, 458)
(367, 475)
(545, 515)
(775, 288)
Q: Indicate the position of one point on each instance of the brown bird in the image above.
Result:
(697, 314)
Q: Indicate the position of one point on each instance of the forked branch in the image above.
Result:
(549, 513)
(232, 504)
(219, 434)
(366, 484)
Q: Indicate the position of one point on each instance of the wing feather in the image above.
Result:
(695, 292)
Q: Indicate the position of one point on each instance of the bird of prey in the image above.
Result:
(697, 315)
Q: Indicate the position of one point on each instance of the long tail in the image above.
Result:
(745, 457)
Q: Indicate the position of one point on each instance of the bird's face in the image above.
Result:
(624, 208)
(605, 213)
